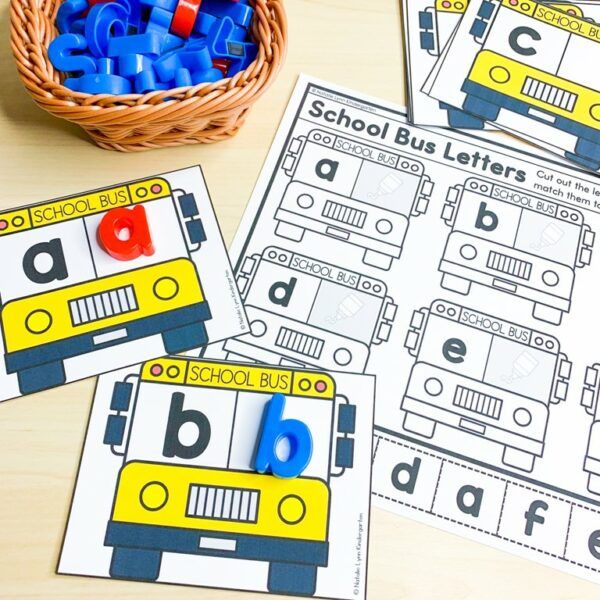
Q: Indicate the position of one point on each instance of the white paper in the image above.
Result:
(344, 294)
(176, 499)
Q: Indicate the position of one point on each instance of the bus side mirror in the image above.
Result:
(193, 224)
(115, 424)
(346, 424)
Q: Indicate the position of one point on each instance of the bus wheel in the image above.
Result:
(290, 578)
(594, 483)
(419, 425)
(456, 284)
(584, 161)
(185, 338)
(377, 260)
(547, 313)
(518, 459)
(41, 377)
(459, 119)
(289, 231)
(133, 563)
(481, 108)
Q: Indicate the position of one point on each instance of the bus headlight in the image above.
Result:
(305, 201)
(165, 288)
(291, 509)
(154, 495)
(38, 321)
(433, 386)
(468, 252)
(595, 112)
(522, 417)
(499, 74)
(384, 226)
(550, 278)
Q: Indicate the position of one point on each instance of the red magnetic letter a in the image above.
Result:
(125, 247)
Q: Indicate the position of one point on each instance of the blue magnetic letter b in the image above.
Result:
(274, 429)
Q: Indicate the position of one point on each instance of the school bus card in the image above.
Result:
(462, 273)
(525, 66)
(111, 277)
(219, 474)
(428, 26)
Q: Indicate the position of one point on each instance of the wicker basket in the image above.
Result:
(208, 112)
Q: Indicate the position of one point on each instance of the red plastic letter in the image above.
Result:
(134, 221)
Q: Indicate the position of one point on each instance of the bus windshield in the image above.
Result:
(218, 428)
(387, 188)
(74, 242)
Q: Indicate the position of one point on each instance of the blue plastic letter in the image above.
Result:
(103, 22)
(274, 429)
(62, 56)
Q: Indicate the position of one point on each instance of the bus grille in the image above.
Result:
(299, 342)
(223, 503)
(344, 214)
(477, 402)
(550, 94)
(509, 265)
(101, 306)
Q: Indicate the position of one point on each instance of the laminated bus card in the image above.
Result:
(228, 475)
(525, 67)
(428, 26)
(111, 277)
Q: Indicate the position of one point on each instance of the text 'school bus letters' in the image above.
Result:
(590, 399)
(484, 376)
(201, 495)
(436, 25)
(514, 242)
(353, 192)
(530, 63)
(63, 295)
(307, 312)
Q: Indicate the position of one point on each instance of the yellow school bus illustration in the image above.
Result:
(200, 495)
(64, 296)
(530, 63)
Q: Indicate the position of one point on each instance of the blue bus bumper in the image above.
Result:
(41, 367)
(187, 541)
(518, 106)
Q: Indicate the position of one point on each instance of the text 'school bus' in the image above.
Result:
(590, 400)
(514, 242)
(484, 376)
(89, 300)
(538, 67)
(353, 192)
(201, 495)
(436, 26)
(307, 312)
